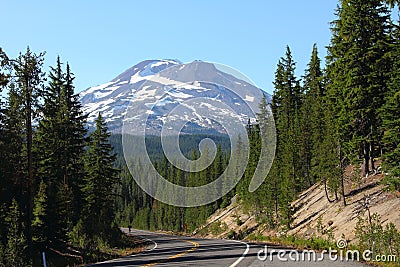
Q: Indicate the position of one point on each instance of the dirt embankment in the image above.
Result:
(313, 211)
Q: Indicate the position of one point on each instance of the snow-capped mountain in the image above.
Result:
(156, 87)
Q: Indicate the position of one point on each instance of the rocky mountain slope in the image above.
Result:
(314, 211)
(157, 87)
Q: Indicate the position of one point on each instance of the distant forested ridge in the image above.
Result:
(187, 143)
(344, 113)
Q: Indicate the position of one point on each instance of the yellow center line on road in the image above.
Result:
(195, 246)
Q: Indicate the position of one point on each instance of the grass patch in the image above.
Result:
(316, 243)
(215, 228)
(74, 256)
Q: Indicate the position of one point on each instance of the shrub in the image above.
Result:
(217, 228)
(231, 234)
(373, 236)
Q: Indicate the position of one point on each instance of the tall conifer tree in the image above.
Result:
(28, 85)
(99, 183)
(313, 118)
(286, 104)
(357, 72)
(391, 118)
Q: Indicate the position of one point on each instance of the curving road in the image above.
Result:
(169, 250)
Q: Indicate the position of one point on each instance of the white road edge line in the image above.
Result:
(243, 255)
(144, 238)
(155, 244)
(129, 256)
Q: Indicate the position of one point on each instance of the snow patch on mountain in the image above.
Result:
(141, 85)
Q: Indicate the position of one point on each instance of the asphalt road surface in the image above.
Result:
(169, 250)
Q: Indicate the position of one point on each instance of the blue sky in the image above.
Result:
(101, 39)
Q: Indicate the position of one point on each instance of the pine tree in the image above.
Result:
(329, 166)
(60, 145)
(13, 168)
(15, 250)
(312, 118)
(286, 104)
(319, 131)
(391, 119)
(357, 72)
(49, 151)
(3, 232)
(74, 134)
(28, 83)
(4, 65)
(238, 152)
(39, 227)
(5, 178)
(218, 169)
(99, 183)
(265, 196)
(2, 257)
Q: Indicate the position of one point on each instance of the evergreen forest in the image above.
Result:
(66, 191)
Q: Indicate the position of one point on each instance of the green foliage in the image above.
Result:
(78, 235)
(217, 228)
(231, 234)
(39, 226)
(63, 186)
(391, 119)
(357, 70)
(317, 148)
(16, 247)
(138, 209)
(60, 140)
(373, 236)
(25, 99)
(286, 106)
(316, 243)
(392, 183)
(154, 146)
(99, 182)
(2, 256)
(42, 144)
(325, 232)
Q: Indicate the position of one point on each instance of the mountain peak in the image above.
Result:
(137, 85)
(146, 68)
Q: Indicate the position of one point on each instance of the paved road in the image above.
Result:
(168, 250)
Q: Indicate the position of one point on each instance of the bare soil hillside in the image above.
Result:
(313, 211)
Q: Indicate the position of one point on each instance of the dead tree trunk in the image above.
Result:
(326, 192)
(371, 156)
(366, 159)
(342, 166)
